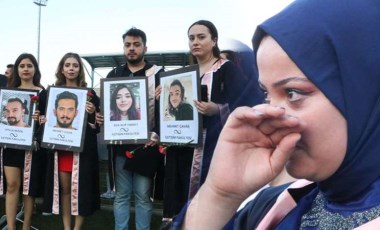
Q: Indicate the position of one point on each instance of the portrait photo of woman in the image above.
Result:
(123, 104)
(177, 105)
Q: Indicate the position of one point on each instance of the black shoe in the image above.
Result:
(166, 225)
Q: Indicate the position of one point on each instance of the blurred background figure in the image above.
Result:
(231, 55)
(242, 56)
(9, 70)
(3, 80)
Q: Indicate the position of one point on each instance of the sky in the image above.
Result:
(95, 27)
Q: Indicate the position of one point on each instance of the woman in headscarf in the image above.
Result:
(318, 63)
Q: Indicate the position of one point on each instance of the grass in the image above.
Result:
(102, 219)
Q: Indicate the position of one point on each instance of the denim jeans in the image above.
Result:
(128, 183)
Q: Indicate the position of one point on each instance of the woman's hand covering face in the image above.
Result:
(252, 150)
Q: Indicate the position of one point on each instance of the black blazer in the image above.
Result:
(3, 80)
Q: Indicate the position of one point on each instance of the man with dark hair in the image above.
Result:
(66, 105)
(134, 32)
(8, 73)
(135, 175)
(15, 111)
(9, 70)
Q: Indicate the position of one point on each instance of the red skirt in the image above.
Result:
(65, 161)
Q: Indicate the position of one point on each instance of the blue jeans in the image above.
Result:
(126, 183)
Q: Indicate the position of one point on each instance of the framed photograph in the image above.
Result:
(124, 102)
(66, 119)
(17, 125)
(180, 122)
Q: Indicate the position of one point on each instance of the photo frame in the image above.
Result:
(180, 122)
(16, 124)
(124, 102)
(66, 119)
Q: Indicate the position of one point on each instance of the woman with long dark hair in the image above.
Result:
(123, 104)
(24, 169)
(78, 173)
(224, 86)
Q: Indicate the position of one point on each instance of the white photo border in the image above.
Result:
(117, 131)
(68, 139)
(181, 132)
(13, 136)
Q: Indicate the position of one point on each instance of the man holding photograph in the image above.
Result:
(15, 111)
(66, 109)
(134, 175)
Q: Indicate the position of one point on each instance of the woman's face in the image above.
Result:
(175, 95)
(323, 145)
(26, 69)
(200, 41)
(123, 100)
(71, 68)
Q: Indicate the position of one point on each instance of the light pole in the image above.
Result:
(39, 3)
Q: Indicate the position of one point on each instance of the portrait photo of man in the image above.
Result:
(66, 109)
(16, 123)
(15, 111)
(65, 118)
